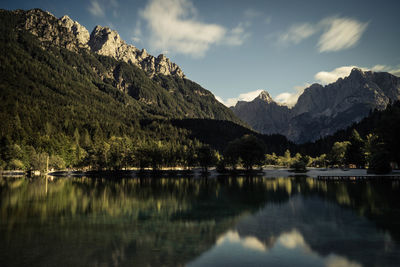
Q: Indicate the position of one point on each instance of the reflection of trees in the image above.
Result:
(153, 221)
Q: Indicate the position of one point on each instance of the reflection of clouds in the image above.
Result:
(292, 240)
(288, 243)
(249, 242)
(338, 261)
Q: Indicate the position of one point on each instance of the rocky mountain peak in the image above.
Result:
(264, 96)
(322, 110)
(69, 34)
(107, 42)
(80, 32)
(357, 73)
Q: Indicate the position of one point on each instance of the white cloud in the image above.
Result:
(341, 33)
(336, 33)
(238, 35)
(114, 3)
(173, 26)
(297, 33)
(327, 77)
(249, 96)
(252, 13)
(271, 247)
(292, 240)
(290, 99)
(249, 242)
(96, 9)
(392, 70)
(323, 77)
(136, 39)
(333, 260)
(268, 20)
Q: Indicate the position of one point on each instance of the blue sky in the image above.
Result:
(236, 48)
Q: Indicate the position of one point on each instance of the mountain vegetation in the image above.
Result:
(79, 108)
(322, 110)
(68, 105)
(373, 142)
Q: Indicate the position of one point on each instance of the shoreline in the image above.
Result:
(268, 172)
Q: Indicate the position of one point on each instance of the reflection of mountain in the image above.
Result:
(174, 221)
(287, 249)
(312, 228)
(142, 221)
(326, 228)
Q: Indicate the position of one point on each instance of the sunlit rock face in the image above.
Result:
(322, 110)
(107, 42)
(80, 32)
(71, 35)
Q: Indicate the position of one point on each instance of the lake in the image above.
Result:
(292, 221)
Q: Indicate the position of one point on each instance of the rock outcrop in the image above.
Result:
(322, 110)
(70, 34)
(263, 114)
(81, 33)
(107, 42)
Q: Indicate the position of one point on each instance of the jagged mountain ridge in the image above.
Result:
(158, 85)
(70, 34)
(322, 110)
(263, 114)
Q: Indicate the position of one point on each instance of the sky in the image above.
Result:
(235, 49)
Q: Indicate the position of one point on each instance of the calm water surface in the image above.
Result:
(215, 222)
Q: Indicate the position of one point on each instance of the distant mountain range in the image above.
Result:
(322, 110)
(56, 77)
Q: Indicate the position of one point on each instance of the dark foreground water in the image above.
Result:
(214, 222)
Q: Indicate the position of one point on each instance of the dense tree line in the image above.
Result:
(69, 109)
(373, 142)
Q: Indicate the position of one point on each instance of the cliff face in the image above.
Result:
(322, 110)
(107, 42)
(263, 114)
(49, 47)
(70, 34)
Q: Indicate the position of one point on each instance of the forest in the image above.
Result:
(371, 143)
(71, 110)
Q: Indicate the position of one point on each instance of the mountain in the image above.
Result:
(322, 110)
(77, 96)
(71, 35)
(158, 85)
(383, 123)
(263, 114)
(53, 65)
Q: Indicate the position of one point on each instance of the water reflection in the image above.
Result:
(288, 249)
(167, 221)
(305, 231)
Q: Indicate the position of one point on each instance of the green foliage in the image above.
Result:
(300, 163)
(206, 157)
(271, 159)
(355, 150)
(320, 161)
(249, 149)
(73, 106)
(336, 156)
(384, 123)
(378, 157)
